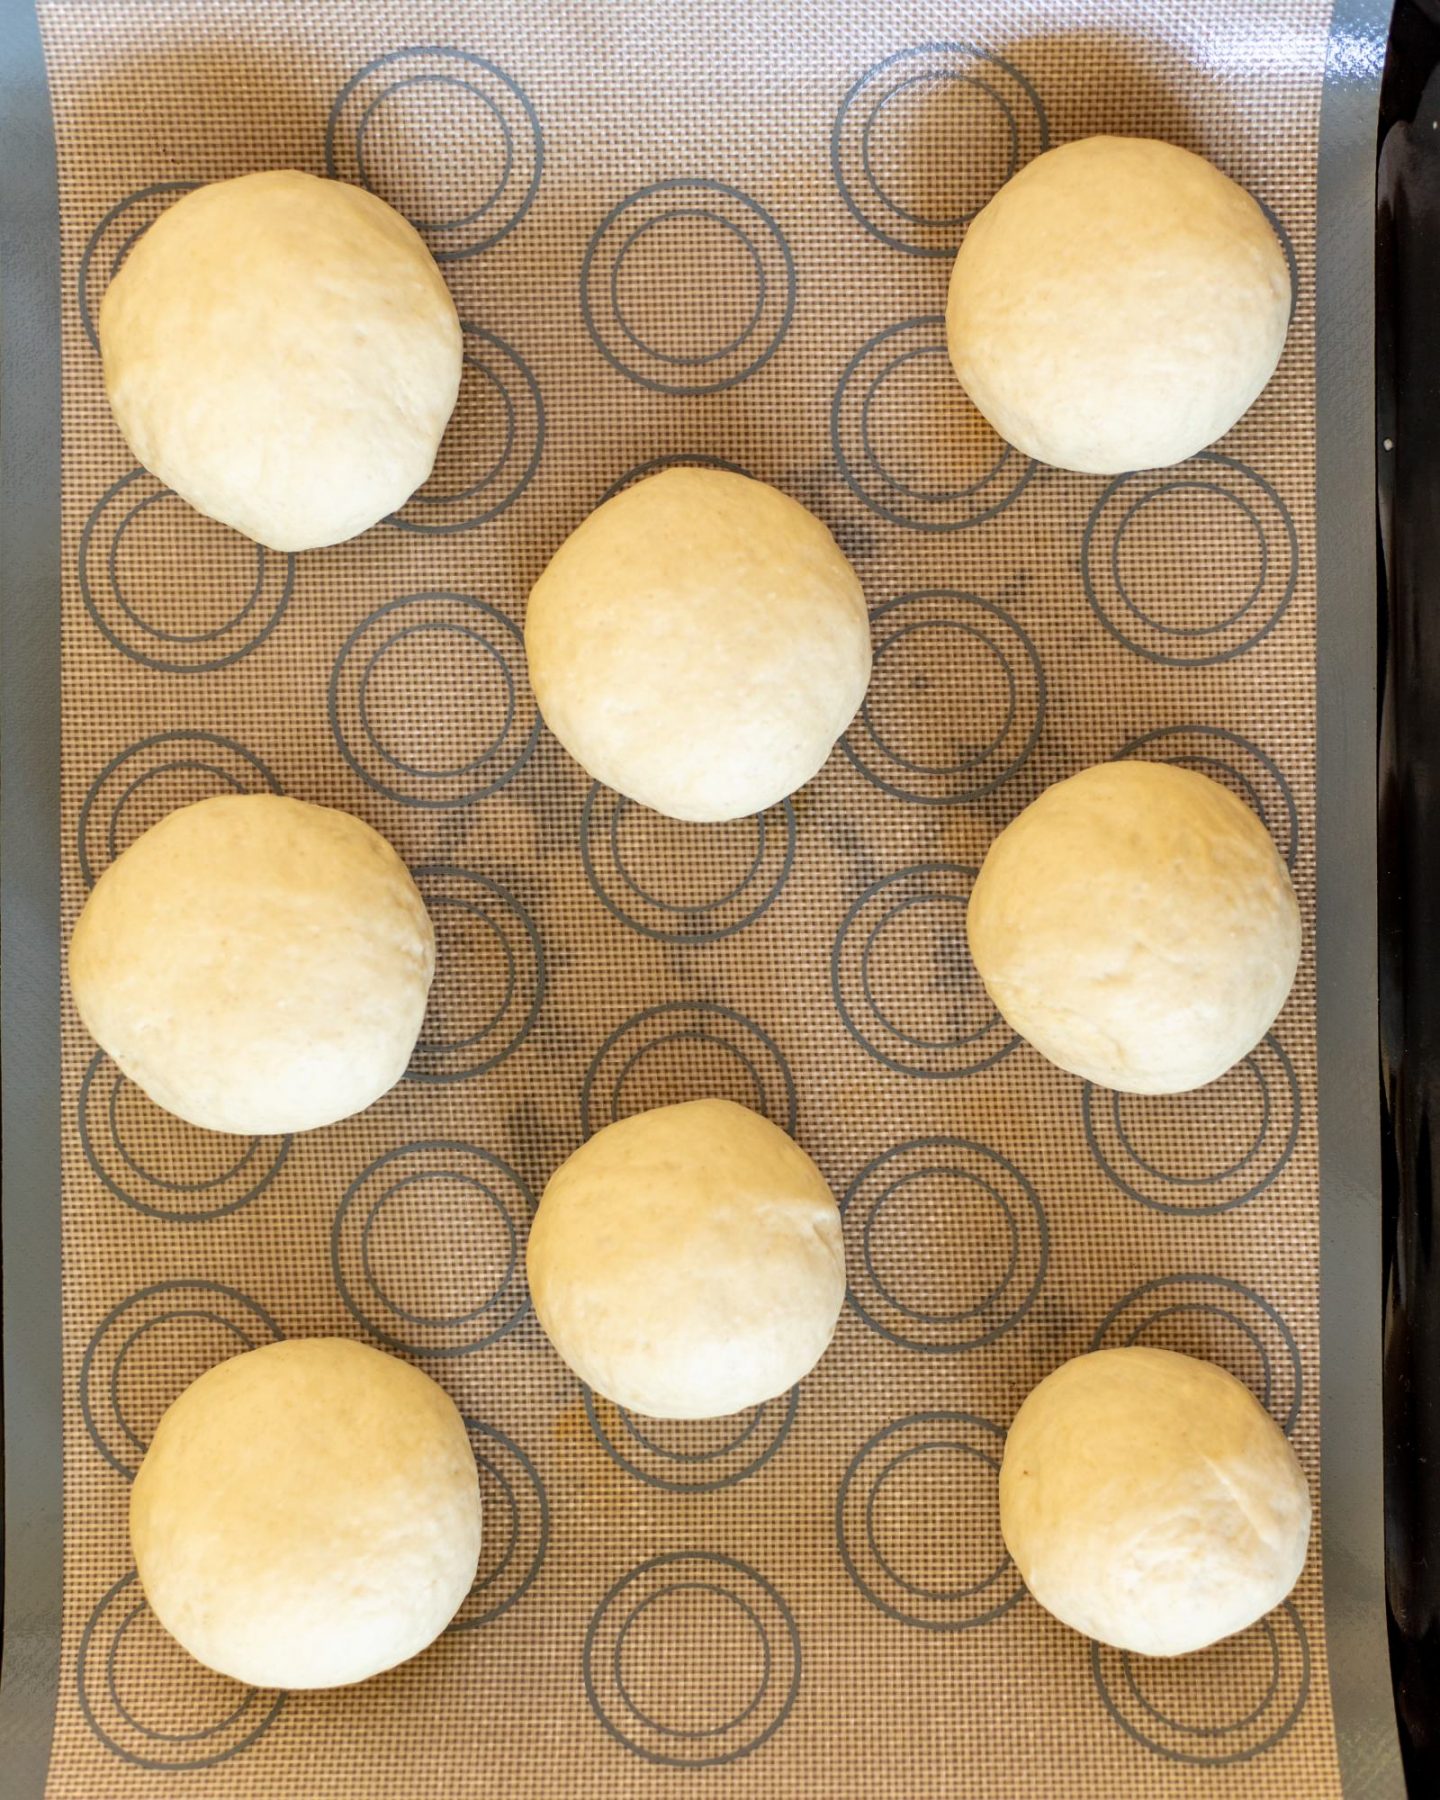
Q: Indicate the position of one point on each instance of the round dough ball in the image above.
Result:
(1137, 926)
(688, 1262)
(699, 643)
(307, 1514)
(283, 352)
(256, 964)
(1118, 305)
(1151, 1502)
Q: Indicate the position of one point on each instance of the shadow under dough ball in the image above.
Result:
(307, 1514)
(1137, 926)
(284, 353)
(1151, 1502)
(688, 1262)
(1118, 305)
(256, 964)
(699, 643)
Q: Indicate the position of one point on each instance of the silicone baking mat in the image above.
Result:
(716, 235)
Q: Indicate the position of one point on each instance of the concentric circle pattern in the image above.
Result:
(681, 883)
(1148, 534)
(1233, 761)
(687, 1050)
(147, 1350)
(149, 1702)
(692, 1456)
(927, 136)
(172, 590)
(903, 982)
(413, 1301)
(947, 1244)
(1202, 1152)
(516, 1514)
(160, 1165)
(956, 699)
(489, 975)
(918, 1523)
(909, 442)
(429, 700)
(692, 1660)
(688, 286)
(137, 788)
(1223, 1705)
(1221, 1321)
(492, 445)
(483, 151)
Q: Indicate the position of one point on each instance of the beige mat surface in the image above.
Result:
(716, 232)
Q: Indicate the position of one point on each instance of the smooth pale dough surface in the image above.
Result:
(1137, 926)
(256, 964)
(1118, 305)
(307, 1514)
(284, 353)
(688, 1262)
(1150, 1501)
(699, 643)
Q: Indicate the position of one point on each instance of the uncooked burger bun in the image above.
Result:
(307, 1514)
(1151, 1502)
(283, 353)
(699, 643)
(688, 1262)
(256, 964)
(1118, 305)
(1137, 926)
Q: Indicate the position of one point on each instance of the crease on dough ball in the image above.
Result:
(1150, 1501)
(283, 352)
(307, 1514)
(256, 964)
(1137, 926)
(699, 643)
(1117, 305)
(688, 1262)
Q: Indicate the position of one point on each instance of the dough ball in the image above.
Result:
(699, 643)
(283, 352)
(688, 1262)
(1151, 1502)
(256, 964)
(1118, 305)
(307, 1514)
(1137, 926)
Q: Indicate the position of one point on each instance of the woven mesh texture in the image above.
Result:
(716, 232)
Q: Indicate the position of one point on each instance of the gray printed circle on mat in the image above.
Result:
(426, 1306)
(687, 1050)
(688, 286)
(1207, 1151)
(1148, 534)
(947, 1245)
(927, 136)
(908, 440)
(171, 589)
(956, 700)
(447, 137)
(195, 1719)
(917, 1521)
(691, 1456)
(903, 982)
(692, 1660)
(147, 1350)
(1220, 1320)
(1218, 1707)
(1234, 762)
(113, 239)
(517, 1527)
(429, 701)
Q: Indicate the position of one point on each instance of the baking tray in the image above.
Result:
(44, 1662)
